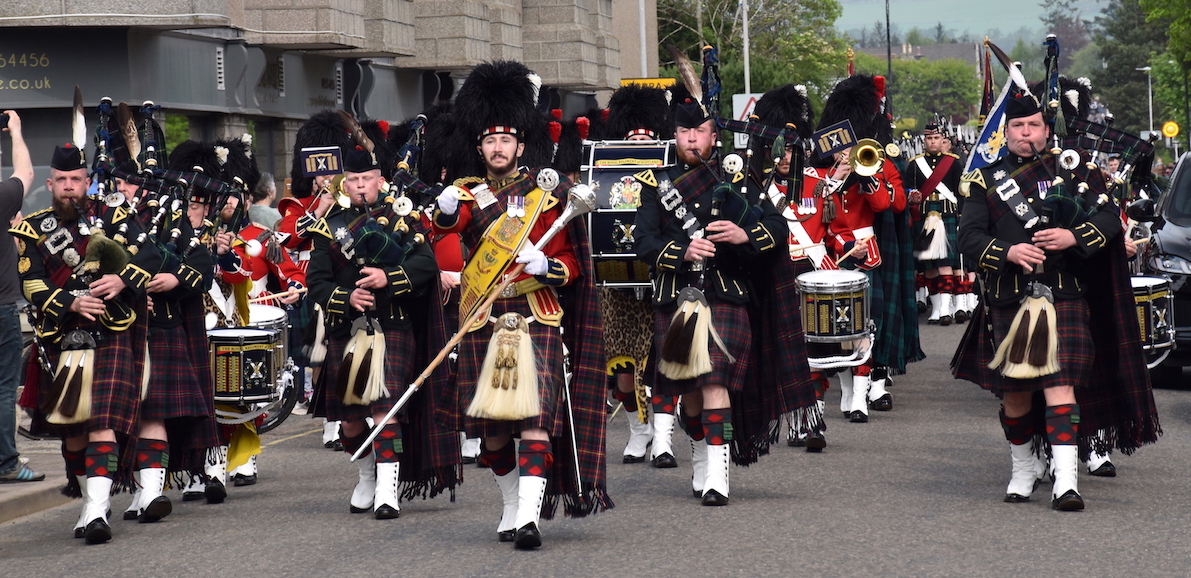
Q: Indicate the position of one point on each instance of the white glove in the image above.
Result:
(448, 200)
(535, 261)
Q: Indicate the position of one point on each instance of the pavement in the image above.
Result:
(19, 499)
(915, 492)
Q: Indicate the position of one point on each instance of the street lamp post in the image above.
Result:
(1150, 94)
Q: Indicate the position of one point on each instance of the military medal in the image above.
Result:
(49, 224)
(516, 206)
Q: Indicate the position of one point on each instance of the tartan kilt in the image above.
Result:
(115, 387)
(174, 389)
(399, 372)
(951, 227)
(1076, 350)
(731, 322)
(547, 346)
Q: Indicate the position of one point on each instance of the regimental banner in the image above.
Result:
(321, 161)
(834, 138)
(991, 144)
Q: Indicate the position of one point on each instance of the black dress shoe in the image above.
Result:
(1070, 501)
(215, 492)
(815, 442)
(97, 531)
(921, 307)
(796, 442)
(506, 535)
(932, 321)
(78, 532)
(714, 498)
(883, 403)
(944, 321)
(1016, 498)
(356, 510)
(961, 317)
(696, 493)
(243, 480)
(469, 459)
(128, 515)
(192, 496)
(858, 417)
(1106, 470)
(527, 537)
(157, 509)
(387, 512)
(665, 460)
(633, 459)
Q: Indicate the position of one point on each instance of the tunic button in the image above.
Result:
(696, 205)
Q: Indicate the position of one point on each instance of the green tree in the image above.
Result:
(1030, 57)
(922, 88)
(789, 42)
(1127, 42)
(917, 38)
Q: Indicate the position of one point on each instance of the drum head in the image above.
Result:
(1149, 282)
(259, 313)
(235, 333)
(828, 279)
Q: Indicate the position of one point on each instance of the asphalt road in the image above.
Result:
(914, 492)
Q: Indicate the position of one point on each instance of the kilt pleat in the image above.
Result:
(547, 346)
(1076, 350)
(731, 322)
(174, 389)
(399, 372)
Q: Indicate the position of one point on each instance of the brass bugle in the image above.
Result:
(866, 157)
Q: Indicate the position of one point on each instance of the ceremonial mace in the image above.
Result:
(580, 201)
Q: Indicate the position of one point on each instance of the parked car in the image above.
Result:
(1168, 255)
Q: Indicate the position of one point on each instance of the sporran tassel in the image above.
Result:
(932, 245)
(689, 357)
(508, 385)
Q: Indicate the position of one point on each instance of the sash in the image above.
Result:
(1007, 189)
(495, 253)
(814, 254)
(934, 177)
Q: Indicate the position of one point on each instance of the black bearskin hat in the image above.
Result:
(189, 155)
(498, 96)
(787, 104)
(326, 128)
(240, 162)
(597, 127)
(639, 108)
(1075, 96)
(860, 99)
(569, 156)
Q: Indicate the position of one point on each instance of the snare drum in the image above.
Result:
(1155, 311)
(243, 364)
(834, 305)
(274, 319)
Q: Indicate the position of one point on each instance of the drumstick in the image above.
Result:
(856, 247)
(1141, 241)
(281, 295)
(801, 247)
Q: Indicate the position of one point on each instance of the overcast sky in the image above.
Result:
(958, 16)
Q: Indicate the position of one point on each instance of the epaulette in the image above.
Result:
(952, 155)
(647, 177)
(321, 227)
(466, 183)
(972, 176)
(915, 159)
(24, 230)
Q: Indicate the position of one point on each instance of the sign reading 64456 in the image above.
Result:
(27, 60)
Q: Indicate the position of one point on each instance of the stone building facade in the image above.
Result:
(231, 64)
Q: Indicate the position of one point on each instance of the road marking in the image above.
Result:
(275, 442)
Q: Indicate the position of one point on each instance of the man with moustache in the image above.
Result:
(1027, 241)
(729, 259)
(103, 315)
(554, 292)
